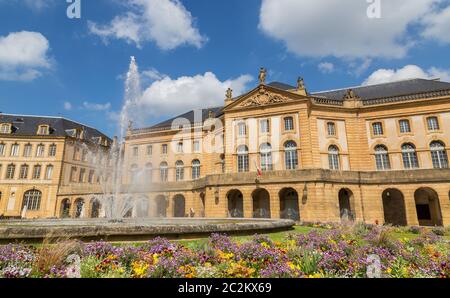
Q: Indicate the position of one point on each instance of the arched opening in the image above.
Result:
(95, 208)
(65, 208)
(394, 207)
(346, 209)
(427, 207)
(79, 208)
(289, 204)
(235, 203)
(179, 206)
(261, 203)
(32, 200)
(161, 206)
(142, 206)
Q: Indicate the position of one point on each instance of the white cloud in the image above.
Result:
(342, 29)
(165, 22)
(438, 25)
(96, 106)
(23, 55)
(175, 96)
(407, 72)
(67, 106)
(326, 67)
(38, 5)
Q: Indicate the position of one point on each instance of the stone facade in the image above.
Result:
(40, 170)
(377, 154)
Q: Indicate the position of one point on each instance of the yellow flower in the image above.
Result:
(155, 258)
(389, 270)
(315, 275)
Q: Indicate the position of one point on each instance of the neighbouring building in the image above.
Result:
(48, 167)
(377, 154)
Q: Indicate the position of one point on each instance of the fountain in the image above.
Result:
(118, 202)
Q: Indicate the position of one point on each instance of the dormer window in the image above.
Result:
(43, 130)
(5, 128)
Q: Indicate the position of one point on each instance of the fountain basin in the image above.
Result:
(134, 229)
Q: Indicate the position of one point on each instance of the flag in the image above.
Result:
(258, 171)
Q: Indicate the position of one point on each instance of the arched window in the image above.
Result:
(133, 173)
(195, 169)
(149, 171)
(409, 156)
(163, 171)
(333, 157)
(439, 155)
(32, 200)
(382, 158)
(242, 152)
(179, 171)
(266, 157)
(290, 155)
(40, 150)
(27, 150)
(37, 172)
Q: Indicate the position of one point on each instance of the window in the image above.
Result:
(43, 130)
(288, 123)
(439, 155)
(179, 171)
(149, 150)
(242, 129)
(333, 158)
(377, 129)
(76, 153)
(40, 150)
(195, 169)
(180, 147)
(290, 155)
(382, 158)
(37, 172)
(135, 151)
(23, 174)
(149, 171)
(405, 127)
(32, 200)
(331, 129)
(10, 170)
(90, 177)
(84, 155)
(27, 150)
(2, 149)
(242, 152)
(49, 173)
(73, 171)
(5, 128)
(164, 148)
(15, 150)
(133, 173)
(264, 126)
(82, 175)
(52, 150)
(196, 146)
(409, 156)
(163, 172)
(266, 157)
(433, 123)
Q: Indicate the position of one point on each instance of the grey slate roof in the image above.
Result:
(406, 87)
(25, 125)
(192, 116)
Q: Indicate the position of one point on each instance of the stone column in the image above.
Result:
(410, 206)
(248, 202)
(274, 202)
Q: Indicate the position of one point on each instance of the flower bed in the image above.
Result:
(357, 251)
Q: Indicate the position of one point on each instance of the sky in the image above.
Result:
(190, 51)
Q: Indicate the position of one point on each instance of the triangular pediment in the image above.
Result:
(263, 95)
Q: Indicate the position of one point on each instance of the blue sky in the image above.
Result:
(191, 51)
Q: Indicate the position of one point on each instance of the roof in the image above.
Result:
(393, 89)
(192, 116)
(27, 125)
(366, 93)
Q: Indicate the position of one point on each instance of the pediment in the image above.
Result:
(261, 96)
